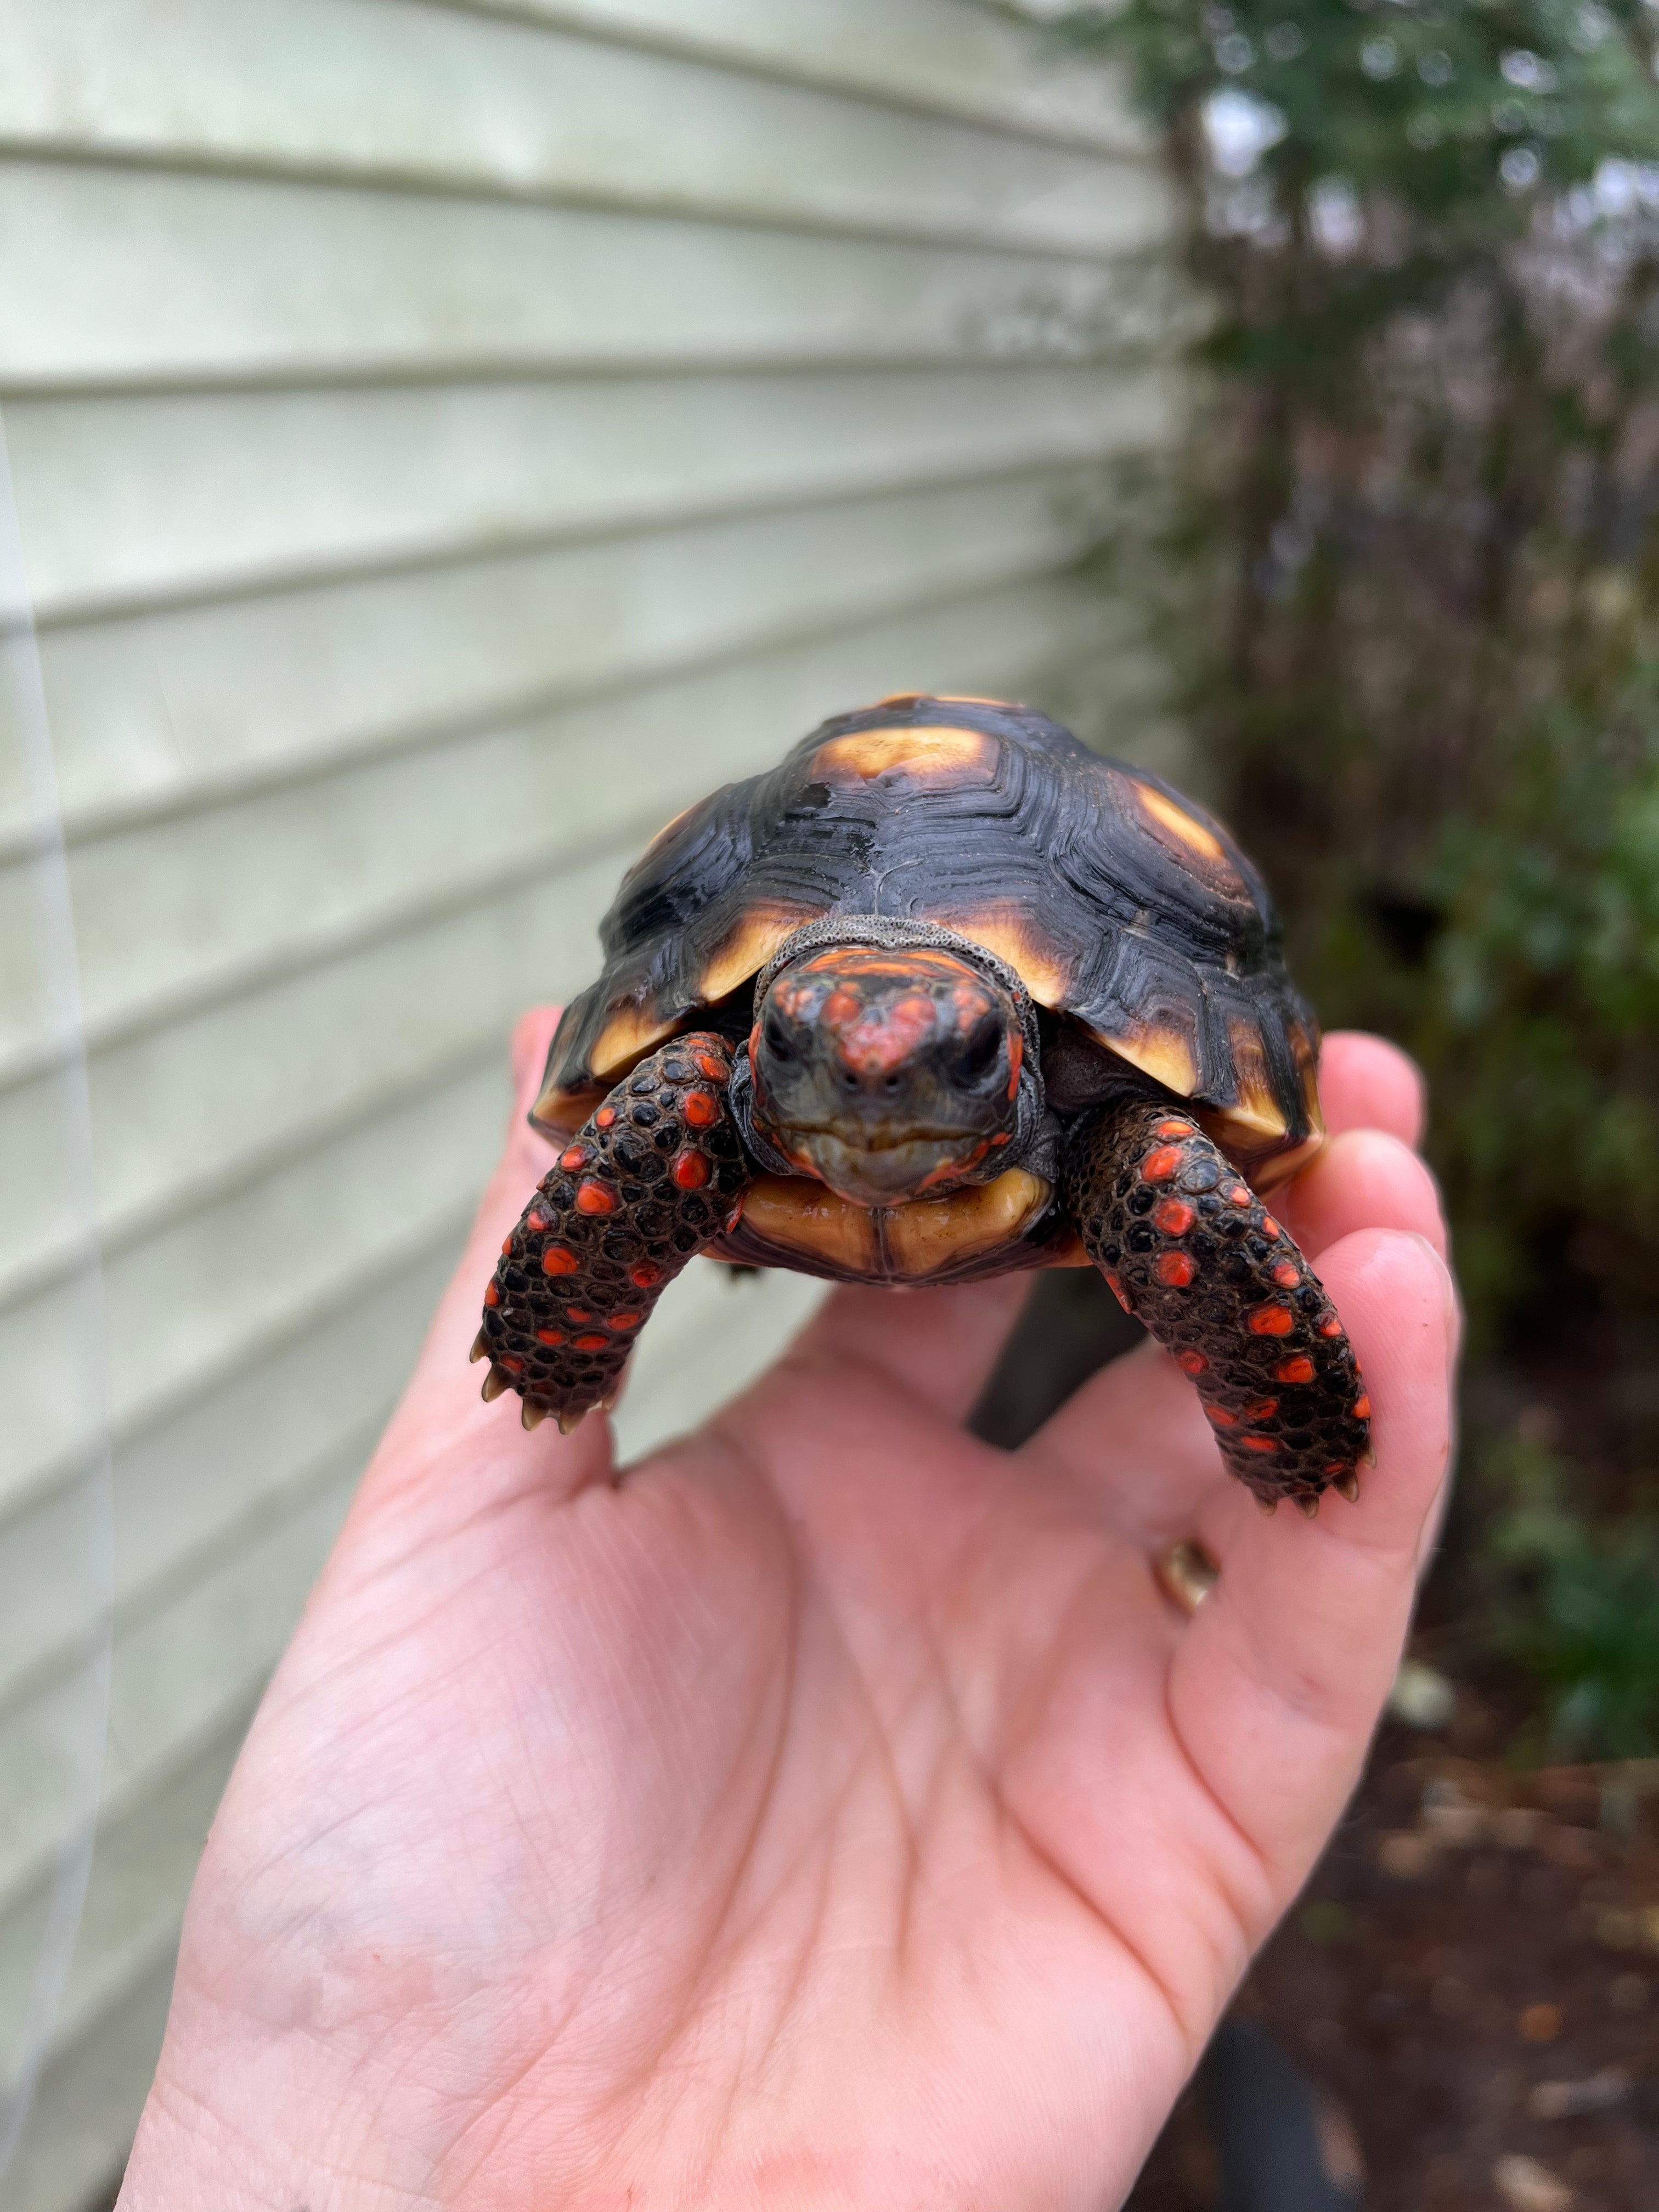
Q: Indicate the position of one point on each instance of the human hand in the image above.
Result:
(832, 1813)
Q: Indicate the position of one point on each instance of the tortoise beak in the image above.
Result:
(910, 1167)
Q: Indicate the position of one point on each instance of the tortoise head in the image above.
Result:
(888, 1075)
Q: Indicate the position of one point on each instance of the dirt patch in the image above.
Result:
(1473, 1976)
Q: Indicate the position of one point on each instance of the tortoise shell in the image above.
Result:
(1129, 913)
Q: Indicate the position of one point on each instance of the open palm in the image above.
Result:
(833, 1812)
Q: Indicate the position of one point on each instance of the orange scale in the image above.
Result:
(574, 1156)
(1361, 1407)
(701, 1110)
(595, 1198)
(1173, 1216)
(559, 1260)
(1175, 1269)
(1299, 1370)
(1160, 1164)
(1271, 1321)
(1191, 1362)
(1116, 1286)
(1330, 1326)
(1286, 1275)
(552, 1336)
(1259, 1444)
(591, 1343)
(690, 1172)
(1262, 1409)
(605, 1118)
(492, 1295)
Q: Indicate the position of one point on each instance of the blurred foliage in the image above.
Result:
(1410, 560)
(1578, 1608)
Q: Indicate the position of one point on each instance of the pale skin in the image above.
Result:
(829, 1812)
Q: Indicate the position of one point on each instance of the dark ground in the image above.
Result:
(1471, 1978)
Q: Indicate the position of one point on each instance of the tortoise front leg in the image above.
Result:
(654, 1174)
(1193, 1253)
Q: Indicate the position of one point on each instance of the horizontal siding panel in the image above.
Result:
(134, 498)
(181, 1678)
(88, 2105)
(373, 90)
(954, 56)
(151, 706)
(112, 275)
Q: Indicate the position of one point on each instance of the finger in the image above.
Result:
(1362, 1179)
(1366, 1083)
(935, 1347)
(1277, 1684)
(441, 1412)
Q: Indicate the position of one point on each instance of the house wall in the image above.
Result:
(446, 439)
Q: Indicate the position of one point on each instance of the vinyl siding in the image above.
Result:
(446, 439)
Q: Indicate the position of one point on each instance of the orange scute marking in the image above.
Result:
(604, 1118)
(1160, 1164)
(574, 1156)
(507, 1246)
(646, 1276)
(929, 752)
(1270, 1227)
(1191, 1362)
(595, 1198)
(1299, 1370)
(624, 1321)
(537, 1222)
(689, 1171)
(512, 1366)
(1173, 1216)
(578, 1314)
(591, 1343)
(1221, 1417)
(492, 1296)
(1175, 1269)
(1259, 1444)
(1330, 1326)
(1361, 1407)
(701, 1110)
(1286, 1275)
(1176, 820)
(1271, 1321)
(1173, 1128)
(550, 1336)
(1240, 1193)
(559, 1260)
(1116, 1288)
(1261, 1409)
(713, 1068)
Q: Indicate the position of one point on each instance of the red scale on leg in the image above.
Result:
(1217, 1277)
(594, 1267)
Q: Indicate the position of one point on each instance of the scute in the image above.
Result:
(1119, 902)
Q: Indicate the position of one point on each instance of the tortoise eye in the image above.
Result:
(983, 1049)
(776, 1037)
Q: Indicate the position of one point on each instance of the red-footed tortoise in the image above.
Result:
(945, 994)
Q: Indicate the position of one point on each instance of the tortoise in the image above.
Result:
(945, 994)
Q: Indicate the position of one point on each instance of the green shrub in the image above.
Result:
(1411, 557)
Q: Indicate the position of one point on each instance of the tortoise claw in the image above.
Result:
(1267, 1506)
(532, 1416)
(568, 1421)
(493, 1383)
(480, 1347)
(1349, 1486)
(1308, 1508)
